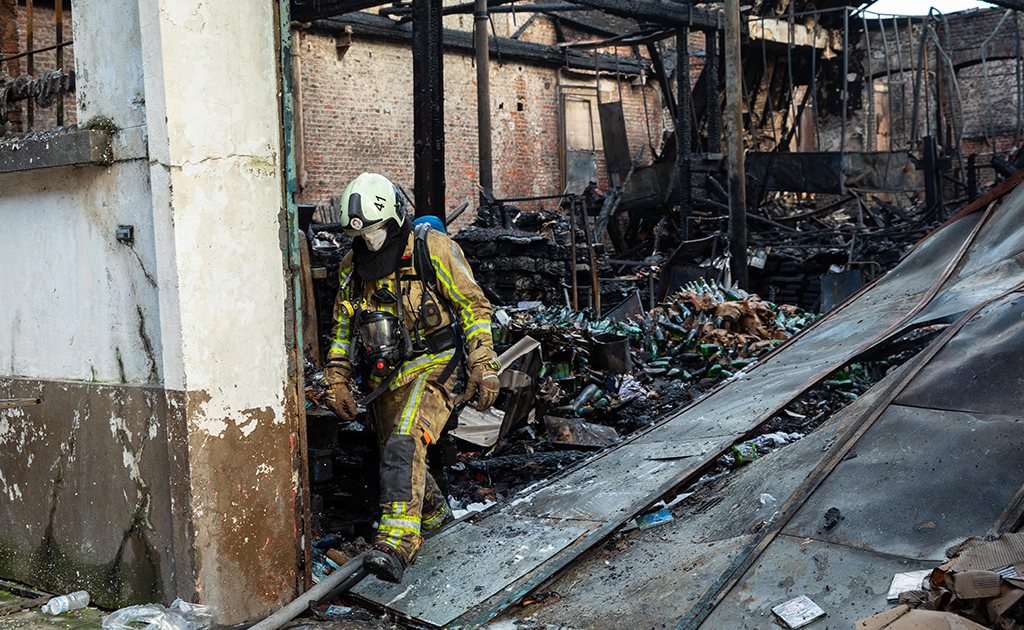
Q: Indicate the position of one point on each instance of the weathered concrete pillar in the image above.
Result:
(214, 125)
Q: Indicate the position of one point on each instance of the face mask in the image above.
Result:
(375, 239)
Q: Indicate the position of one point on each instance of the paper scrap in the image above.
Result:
(903, 582)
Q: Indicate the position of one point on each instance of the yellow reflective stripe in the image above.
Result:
(409, 525)
(446, 278)
(479, 327)
(467, 315)
(435, 520)
(426, 361)
(409, 412)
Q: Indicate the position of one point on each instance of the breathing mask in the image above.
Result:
(380, 334)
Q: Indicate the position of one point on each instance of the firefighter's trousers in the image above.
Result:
(409, 418)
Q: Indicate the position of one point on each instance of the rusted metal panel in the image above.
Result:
(988, 349)
(992, 265)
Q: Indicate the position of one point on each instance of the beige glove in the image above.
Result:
(339, 393)
(485, 379)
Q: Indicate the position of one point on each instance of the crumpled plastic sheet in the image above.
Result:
(179, 615)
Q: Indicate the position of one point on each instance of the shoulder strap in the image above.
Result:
(421, 257)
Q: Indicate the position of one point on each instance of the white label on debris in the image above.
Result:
(903, 582)
(798, 612)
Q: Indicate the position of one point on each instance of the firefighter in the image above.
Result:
(410, 303)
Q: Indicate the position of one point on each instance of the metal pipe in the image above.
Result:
(572, 257)
(888, 77)
(483, 94)
(791, 110)
(1020, 92)
(768, 88)
(917, 90)
(301, 604)
(30, 104)
(903, 81)
(984, 66)
(734, 132)
(577, 204)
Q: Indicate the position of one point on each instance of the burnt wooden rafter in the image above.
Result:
(374, 26)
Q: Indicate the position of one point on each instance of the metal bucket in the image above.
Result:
(611, 352)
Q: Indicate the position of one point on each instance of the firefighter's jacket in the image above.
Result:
(455, 285)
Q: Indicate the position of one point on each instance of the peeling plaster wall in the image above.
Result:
(162, 460)
(90, 478)
(214, 143)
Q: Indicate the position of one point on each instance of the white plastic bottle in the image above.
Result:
(64, 603)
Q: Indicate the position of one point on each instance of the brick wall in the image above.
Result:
(44, 34)
(979, 112)
(357, 116)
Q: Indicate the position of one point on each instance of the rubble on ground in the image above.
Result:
(981, 586)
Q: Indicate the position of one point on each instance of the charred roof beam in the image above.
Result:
(659, 12)
(309, 10)
(1016, 5)
(374, 26)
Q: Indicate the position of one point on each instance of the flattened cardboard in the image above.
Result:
(1006, 551)
(883, 619)
(1009, 596)
(976, 584)
(902, 618)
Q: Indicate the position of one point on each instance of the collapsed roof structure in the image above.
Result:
(924, 460)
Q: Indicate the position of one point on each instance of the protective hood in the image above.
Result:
(374, 265)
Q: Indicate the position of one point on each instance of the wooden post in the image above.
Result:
(734, 134)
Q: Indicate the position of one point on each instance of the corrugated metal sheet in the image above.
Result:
(603, 493)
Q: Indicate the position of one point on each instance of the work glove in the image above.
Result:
(483, 378)
(339, 393)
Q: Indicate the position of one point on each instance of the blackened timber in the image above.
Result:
(1016, 5)
(309, 10)
(428, 108)
(734, 133)
(714, 104)
(378, 28)
(665, 13)
(654, 50)
(683, 125)
(586, 26)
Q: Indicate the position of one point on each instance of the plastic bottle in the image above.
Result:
(64, 603)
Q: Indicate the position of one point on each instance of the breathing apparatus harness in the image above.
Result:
(383, 340)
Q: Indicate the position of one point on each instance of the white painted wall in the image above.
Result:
(211, 72)
(77, 304)
(198, 303)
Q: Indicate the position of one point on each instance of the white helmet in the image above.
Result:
(368, 201)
